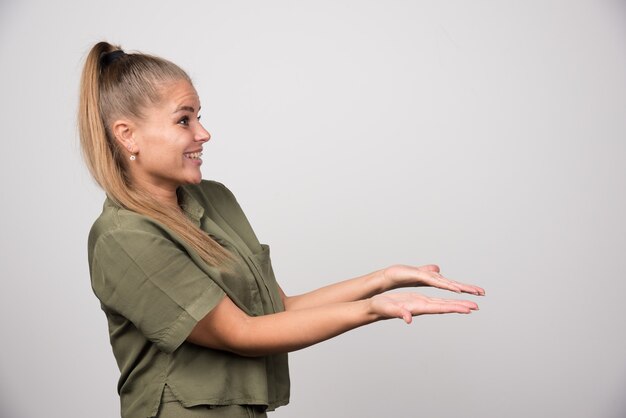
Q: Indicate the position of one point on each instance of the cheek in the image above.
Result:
(160, 148)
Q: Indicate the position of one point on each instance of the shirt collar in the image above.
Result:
(192, 208)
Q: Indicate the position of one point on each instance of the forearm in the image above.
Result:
(230, 329)
(359, 288)
(227, 327)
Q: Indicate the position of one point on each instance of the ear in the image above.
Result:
(123, 131)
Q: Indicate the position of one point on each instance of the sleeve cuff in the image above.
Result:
(178, 332)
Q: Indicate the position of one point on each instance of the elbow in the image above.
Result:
(247, 352)
(292, 303)
(226, 328)
(287, 303)
(243, 342)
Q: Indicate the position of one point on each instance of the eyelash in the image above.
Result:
(186, 120)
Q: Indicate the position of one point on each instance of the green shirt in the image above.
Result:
(154, 289)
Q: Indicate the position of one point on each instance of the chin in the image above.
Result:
(195, 180)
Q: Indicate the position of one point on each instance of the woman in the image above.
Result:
(198, 324)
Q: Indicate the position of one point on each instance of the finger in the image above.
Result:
(474, 290)
(466, 288)
(397, 311)
(468, 303)
(449, 285)
(430, 267)
(480, 290)
(407, 316)
(441, 282)
(441, 308)
(472, 305)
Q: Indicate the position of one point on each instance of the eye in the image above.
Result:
(199, 116)
(184, 121)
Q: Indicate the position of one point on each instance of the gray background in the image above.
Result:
(486, 136)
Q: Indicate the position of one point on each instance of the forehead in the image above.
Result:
(179, 93)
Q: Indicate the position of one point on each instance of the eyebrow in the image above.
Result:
(187, 108)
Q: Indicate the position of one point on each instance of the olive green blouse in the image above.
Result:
(154, 289)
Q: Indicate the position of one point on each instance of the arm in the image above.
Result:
(228, 328)
(346, 291)
(377, 282)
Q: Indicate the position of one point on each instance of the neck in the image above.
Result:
(163, 193)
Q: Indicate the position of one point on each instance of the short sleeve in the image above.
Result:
(151, 281)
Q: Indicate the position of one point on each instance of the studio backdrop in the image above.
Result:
(487, 137)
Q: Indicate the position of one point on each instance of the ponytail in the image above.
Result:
(115, 84)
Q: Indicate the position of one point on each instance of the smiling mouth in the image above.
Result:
(193, 155)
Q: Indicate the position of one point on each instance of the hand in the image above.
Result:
(428, 275)
(408, 305)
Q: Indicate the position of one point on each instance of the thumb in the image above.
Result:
(395, 311)
(400, 312)
(406, 315)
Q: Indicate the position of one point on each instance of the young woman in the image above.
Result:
(198, 324)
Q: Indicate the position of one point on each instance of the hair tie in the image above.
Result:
(110, 57)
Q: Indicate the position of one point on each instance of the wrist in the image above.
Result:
(370, 312)
(380, 282)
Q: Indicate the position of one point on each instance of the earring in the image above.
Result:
(133, 157)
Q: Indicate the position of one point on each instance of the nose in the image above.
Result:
(202, 135)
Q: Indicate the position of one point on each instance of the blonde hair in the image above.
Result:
(123, 86)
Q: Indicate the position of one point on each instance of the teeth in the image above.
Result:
(193, 155)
